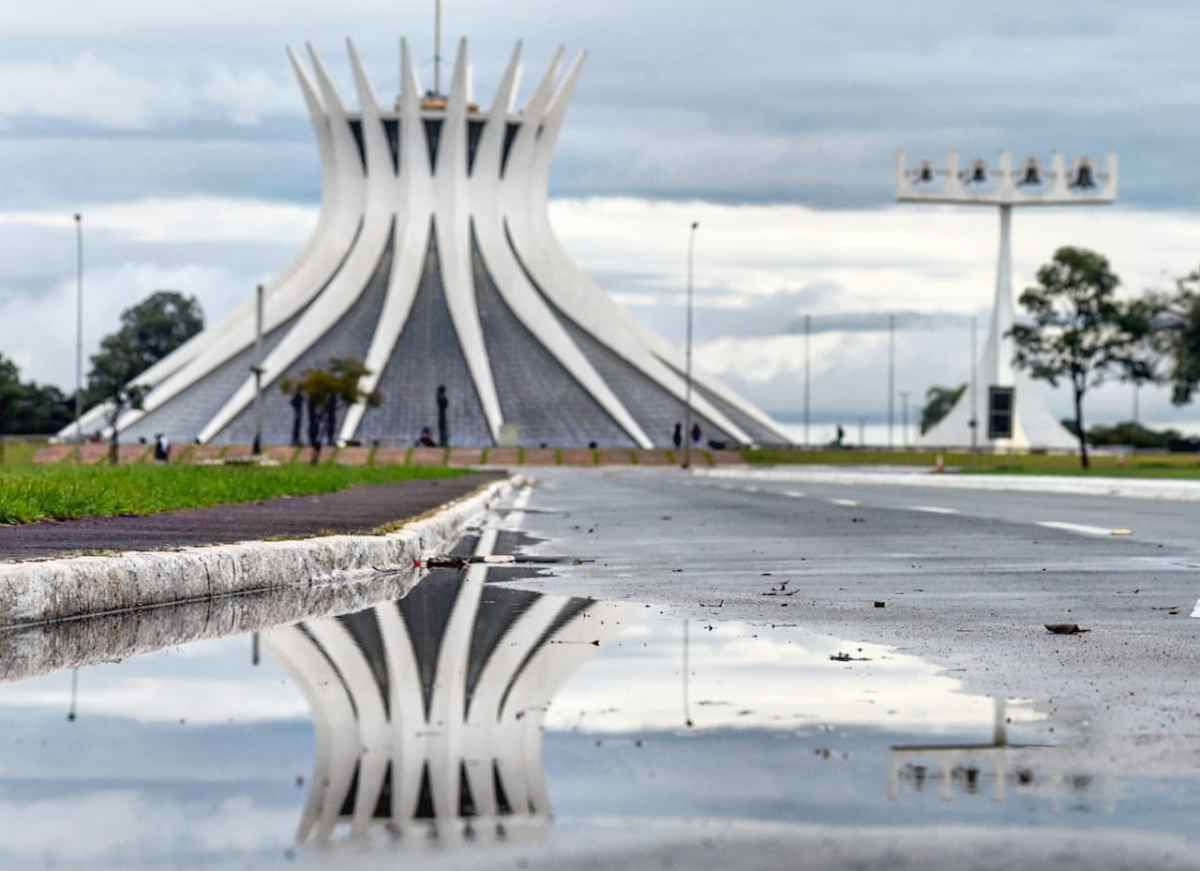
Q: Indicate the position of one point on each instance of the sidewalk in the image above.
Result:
(98, 453)
(357, 510)
(1168, 489)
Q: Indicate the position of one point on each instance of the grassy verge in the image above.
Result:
(1156, 465)
(19, 451)
(28, 494)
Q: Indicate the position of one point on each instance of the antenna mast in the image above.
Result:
(437, 47)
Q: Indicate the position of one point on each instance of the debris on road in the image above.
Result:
(881, 604)
(846, 657)
(1065, 629)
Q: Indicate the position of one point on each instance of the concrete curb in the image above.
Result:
(1128, 488)
(66, 589)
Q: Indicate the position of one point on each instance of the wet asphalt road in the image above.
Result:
(968, 579)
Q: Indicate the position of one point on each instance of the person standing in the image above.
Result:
(162, 448)
(677, 438)
(443, 424)
(695, 434)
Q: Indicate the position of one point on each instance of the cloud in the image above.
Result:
(776, 103)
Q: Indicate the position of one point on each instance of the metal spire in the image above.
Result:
(437, 47)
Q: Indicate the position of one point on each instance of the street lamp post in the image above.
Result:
(257, 369)
(1004, 188)
(687, 413)
(807, 374)
(78, 332)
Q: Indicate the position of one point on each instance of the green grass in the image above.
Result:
(31, 493)
(1148, 465)
(15, 451)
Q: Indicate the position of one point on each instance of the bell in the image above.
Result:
(925, 173)
(1084, 177)
(1031, 173)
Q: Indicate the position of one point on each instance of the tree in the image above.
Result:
(148, 332)
(1081, 332)
(323, 390)
(938, 403)
(27, 408)
(1177, 328)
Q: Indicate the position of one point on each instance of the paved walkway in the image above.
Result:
(359, 509)
(360, 456)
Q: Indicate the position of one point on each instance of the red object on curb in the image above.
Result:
(941, 464)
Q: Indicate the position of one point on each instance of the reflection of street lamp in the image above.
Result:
(74, 692)
(687, 712)
(687, 415)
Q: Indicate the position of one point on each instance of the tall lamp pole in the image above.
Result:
(807, 374)
(1004, 187)
(687, 412)
(257, 369)
(78, 329)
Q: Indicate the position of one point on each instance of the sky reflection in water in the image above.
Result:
(192, 755)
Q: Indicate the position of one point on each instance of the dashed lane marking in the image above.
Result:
(1196, 611)
(750, 489)
(1083, 529)
(795, 494)
(847, 503)
(933, 509)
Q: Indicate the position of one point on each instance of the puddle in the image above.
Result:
(475, 715)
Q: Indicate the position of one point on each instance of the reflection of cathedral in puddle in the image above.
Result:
(1023, 766)
(428, 711)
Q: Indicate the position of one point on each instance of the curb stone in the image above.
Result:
(65, 589)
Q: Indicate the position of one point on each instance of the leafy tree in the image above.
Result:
(111, 381)
(938, 403)
(1079, 331)
(1177, 326)
(27, 408)
(149, 331)
(322, 391)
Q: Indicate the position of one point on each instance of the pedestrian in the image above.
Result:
(162, 448)
(443, 425)
(695, 434)
(426, 438)
(677, 438)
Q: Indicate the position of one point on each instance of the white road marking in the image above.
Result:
(1196, 612)
(750, 489)
(932, 509)
(847, 503)
(1083, 529)
(795, 494)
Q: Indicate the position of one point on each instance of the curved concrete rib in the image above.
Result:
(373, 730)
(454, 243)
(489, 739)
(488, 192)
(559, 278)
(407, 713)
(342, 195)
(414, 202)
(351, 280)
(337, 744)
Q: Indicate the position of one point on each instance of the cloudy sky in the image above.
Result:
(178, 131)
